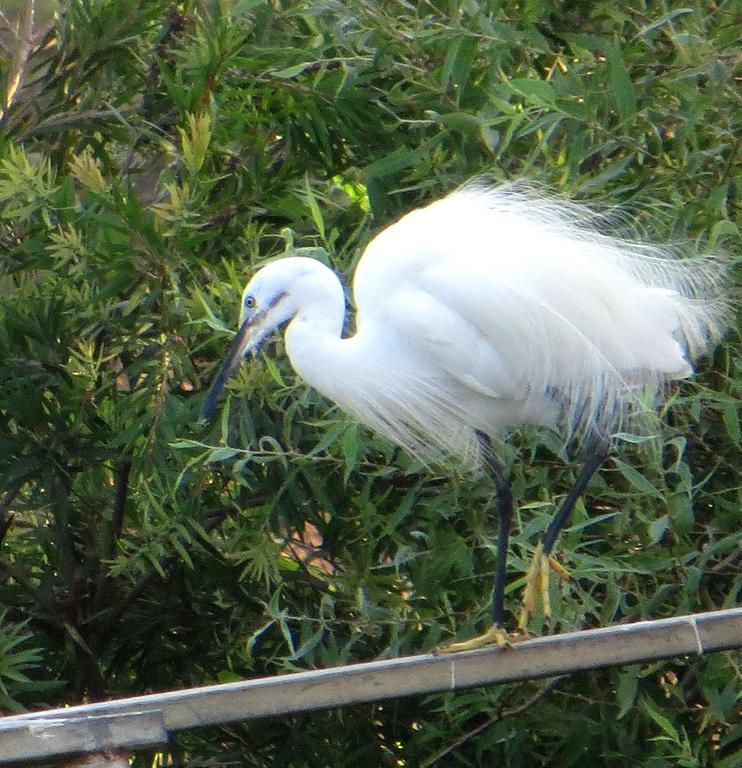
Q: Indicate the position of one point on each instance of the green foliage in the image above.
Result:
(151, 155)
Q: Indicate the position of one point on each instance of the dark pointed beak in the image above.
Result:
(243, 342)
(253, 330)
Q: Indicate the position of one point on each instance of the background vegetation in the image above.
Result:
(151, 155)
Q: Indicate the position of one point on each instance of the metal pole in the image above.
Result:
(145, 721)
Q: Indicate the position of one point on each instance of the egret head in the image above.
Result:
(275, 295)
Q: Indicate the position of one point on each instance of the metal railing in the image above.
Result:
(144, 722)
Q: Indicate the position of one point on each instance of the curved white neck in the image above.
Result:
(314, 343)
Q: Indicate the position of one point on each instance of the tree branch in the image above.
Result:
(121, 480)
(503, 714)
(121, 492)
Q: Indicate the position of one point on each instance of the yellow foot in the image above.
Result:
(493, 636)
(537, 582)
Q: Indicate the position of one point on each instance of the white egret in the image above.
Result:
(490, 308)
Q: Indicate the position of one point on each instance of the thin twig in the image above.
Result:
(121, 491)
(503, 714)
(728, 562)
(121, 480)
(66, 118)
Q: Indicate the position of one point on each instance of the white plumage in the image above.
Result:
(489, 308)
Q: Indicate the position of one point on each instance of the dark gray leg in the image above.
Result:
(505, 513)
(599, 449)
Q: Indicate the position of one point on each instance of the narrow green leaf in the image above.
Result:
(350, 449)
(538, 92)
(180, 548)
(274, 371)
(730, 417)
(668, 728)
(622, 88)
(289, 72)
(637, 479)
(664, 19)
(612, 171)
(658, 528)
(13, 674)
(329, 437)
(681, 513)
(211, 319)
(457, 65)
(314, 209)
(628, 684)
(465, 123)
(401, 158)
(221, 454)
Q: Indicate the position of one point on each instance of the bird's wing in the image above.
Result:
(516, 295)
(546, 331)
(539, 283)
(500, 340)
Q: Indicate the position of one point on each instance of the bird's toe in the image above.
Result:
(495, 635)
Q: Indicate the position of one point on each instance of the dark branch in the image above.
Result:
(503, 714)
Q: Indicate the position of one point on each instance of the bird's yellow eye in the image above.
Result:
(250, 301)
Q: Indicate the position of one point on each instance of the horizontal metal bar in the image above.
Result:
(372, 681)
(63, 736)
